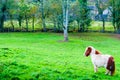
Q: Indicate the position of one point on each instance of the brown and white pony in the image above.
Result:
(100, 60)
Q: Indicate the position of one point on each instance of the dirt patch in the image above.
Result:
(116, 36)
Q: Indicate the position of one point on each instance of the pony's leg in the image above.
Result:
(107, 72)
(110, 73)
(95, 68)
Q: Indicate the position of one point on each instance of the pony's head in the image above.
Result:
(90, 50)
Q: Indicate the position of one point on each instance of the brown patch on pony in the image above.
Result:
(111, 65)
(88, 51)
(97, 52)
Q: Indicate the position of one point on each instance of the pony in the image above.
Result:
(100, 60)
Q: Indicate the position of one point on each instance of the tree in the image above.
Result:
(24, 11)
(115, 9)
(84, 19)
(33, 11)
(112, 9)
(3, 8)
(65, 8)
(101, 6)
(55, 14)
(76, 14)
(42, 14)
(11, 9)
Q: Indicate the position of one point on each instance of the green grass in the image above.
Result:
(95, 25)
(98, 26)
(43, 56)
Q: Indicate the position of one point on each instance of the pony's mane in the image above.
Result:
(89, 50)
(97, 52)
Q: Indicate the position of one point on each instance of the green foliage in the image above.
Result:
(115, 9)
(84, 15)
(11, 7)
(3, 8)
(51, 13)
(40, 56)
(55, 14)
(24, 8)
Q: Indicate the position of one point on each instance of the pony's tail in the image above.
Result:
(112, 68)
(111, 65)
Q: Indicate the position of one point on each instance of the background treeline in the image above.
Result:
(47, 15)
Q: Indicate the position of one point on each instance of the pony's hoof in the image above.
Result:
(106, 73)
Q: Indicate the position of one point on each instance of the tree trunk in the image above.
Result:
(11, 22)
(20, 22)
(1, 22)
(65, 20)
(78, 23)
(55, 26)
(118, 27)
(82, 27)
(114, 17)
(114, 25)
(2, 16)
(26, 23)
(43, 16)
(43, 24)
(33, 23)
(58, 25)
(103, 25)
(103, 20)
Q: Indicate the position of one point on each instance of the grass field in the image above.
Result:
(98, 26)
(43, 56)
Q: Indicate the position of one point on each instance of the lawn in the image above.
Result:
(98, 26)
(44, 56)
